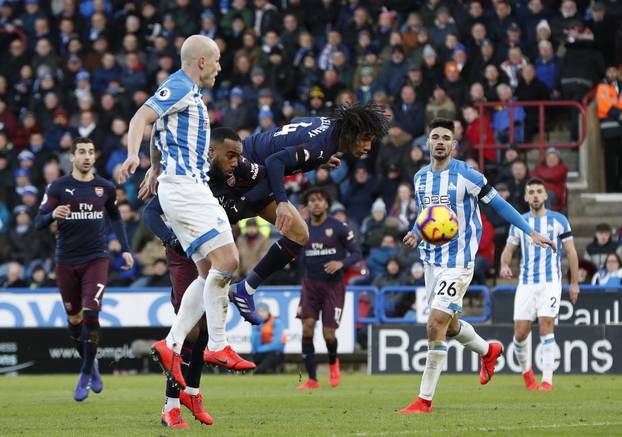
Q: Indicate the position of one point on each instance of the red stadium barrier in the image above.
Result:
(541, 143)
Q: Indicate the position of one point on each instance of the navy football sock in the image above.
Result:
(172, 391)
(280, 254)
(331, 346)
(75, 333)
(90, 339)
(308, 355)
(192, 375)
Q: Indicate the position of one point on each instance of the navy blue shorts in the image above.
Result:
(322, 296)
(82, 285)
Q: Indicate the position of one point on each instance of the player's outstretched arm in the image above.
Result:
(143, 117)
(507, 211)
(573, 261)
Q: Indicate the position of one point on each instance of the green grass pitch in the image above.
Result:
(246, 405)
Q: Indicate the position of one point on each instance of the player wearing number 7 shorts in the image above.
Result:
(449, 268)
(82, 203)
(540, 283)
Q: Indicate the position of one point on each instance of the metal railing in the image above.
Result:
(541, 144)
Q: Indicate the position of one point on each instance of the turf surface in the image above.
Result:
(246, 405)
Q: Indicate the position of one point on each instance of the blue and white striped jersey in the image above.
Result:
(459, 187)
(539, 265)
(182, 130)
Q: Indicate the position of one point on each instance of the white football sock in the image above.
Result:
(522, 350)
(471, 339)
(548, 357)
(437, 352)
(216, 301)
(190, 311)
(192, 391)
(171, 403)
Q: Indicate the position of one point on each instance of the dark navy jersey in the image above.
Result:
(301, 146)
(82, 236)
(313, 134)
(330, 241)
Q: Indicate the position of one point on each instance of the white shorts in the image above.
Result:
(537, 300)
(194, 214)
(445, 287)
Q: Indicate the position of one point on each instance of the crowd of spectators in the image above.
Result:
(71, 68)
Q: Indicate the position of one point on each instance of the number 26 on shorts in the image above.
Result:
(446, 288)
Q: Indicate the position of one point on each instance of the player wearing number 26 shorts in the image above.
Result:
(449, 267)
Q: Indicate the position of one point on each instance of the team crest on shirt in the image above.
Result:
(164, 94)
(99, 191)
(231, 181)
(328, 232)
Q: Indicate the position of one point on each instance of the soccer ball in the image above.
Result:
(437, 224)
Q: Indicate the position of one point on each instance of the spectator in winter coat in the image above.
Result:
(238, 114)
(596, 252)
(393, 75)
(391, 276)
(476, 124)
(517, 186)
(531, 88)
(267, 342)
(409, 112)
(413, 162)
(501, 118)
(360, 194)
(252, 247)
(553, 173)
(582, 66)
(394, 149)
(440, 105)
(547, 67)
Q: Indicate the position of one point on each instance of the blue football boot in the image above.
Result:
(244, 302)
(97, 385)
(83, 387)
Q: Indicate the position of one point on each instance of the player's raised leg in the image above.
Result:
(281, 253)
(464, 333)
